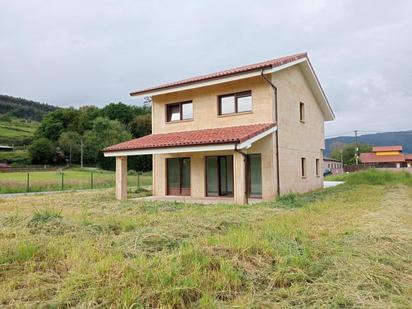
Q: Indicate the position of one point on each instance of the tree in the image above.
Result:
(41, 151)
(104, 132)
(119, 111)
(55, 123)
(69, 143)
(87, 115)
(348, 152)
(141, 125)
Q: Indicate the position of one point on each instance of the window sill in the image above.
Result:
(304, 177)
(179, 121)
(234, 114)
(302, 121)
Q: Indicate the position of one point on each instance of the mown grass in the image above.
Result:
(349, 246)
(16, 182)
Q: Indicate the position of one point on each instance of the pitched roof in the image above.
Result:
(247, 68)
(387, 148)
(408, 157)
(369, 157)
(236, 134)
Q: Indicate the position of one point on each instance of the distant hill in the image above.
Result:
(23, 109)
(19, 119)
(403, 138)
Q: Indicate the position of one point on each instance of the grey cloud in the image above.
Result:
(71, 53)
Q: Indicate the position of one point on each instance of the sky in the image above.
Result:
(74, 53)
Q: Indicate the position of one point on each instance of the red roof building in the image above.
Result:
(215, 136)
(386, 156)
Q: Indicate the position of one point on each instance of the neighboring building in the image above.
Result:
(6, 148)
(335, 166)
(386, 156)
(4, 167)
(255, 131)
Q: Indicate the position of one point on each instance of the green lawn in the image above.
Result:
(16, 182)
(348, 246)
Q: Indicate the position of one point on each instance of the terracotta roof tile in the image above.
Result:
(236, 134)
(369, 157)
(387, 148)
(252, 67)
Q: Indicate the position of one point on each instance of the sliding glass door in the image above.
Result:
(178, 176)
(254, 173)
(219, 176)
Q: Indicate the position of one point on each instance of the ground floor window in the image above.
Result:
(178, 176)
(219, 176)
(254, 175)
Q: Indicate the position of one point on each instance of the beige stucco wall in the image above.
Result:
(198, 176)
(205, 106)
(296, 139)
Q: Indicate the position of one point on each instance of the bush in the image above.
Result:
(378, 177)
(41, 151)
(16, 158)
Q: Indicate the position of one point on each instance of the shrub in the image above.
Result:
(45, 215)
(377, 177)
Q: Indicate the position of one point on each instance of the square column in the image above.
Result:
(121, 178)
(239, 181)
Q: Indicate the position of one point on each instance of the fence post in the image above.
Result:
(138, 181)
(28, 182)
(62, 180)
(91, 180)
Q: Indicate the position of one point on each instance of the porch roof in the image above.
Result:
(230, 136)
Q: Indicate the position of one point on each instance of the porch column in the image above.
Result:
(121, 178)
(239, 181)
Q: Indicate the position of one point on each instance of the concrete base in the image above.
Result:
(190, 200)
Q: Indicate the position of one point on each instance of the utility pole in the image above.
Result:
(356, 147)
(70, 156)
(81, 152)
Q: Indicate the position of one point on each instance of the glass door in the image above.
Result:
(178, 176)
(219, 176)
(254, 175)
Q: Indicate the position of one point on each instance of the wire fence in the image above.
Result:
(61, 180)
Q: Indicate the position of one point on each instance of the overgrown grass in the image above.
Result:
(348, 246)
(374, 177)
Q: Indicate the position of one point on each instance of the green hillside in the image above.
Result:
(11, 107)
(17, 131)
(19, 119)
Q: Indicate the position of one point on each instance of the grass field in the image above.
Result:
(348, 246)
(16, 182)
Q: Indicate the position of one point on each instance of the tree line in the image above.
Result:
(22, 108)
(70, 135)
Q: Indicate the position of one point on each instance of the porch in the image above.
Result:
(223, 165)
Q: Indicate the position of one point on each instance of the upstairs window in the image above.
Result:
(302, 112)
(235, 103)
(179, 111)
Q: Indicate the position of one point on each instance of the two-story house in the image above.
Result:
(255, 131)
